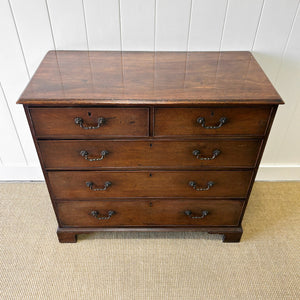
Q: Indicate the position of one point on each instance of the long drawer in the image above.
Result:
(211, 121)
(90, 122)
(148, 154)
(106, 184)
(150, 212)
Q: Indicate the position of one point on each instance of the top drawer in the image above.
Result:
(211, 121)
(90, 122)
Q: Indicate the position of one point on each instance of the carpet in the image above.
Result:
(149, 265)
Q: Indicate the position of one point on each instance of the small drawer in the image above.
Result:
(88, 122)
(193, 154)
(211, 121)
(109, 184)
(149, 213)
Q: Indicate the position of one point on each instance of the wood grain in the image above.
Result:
(150, 212)
(231, 234)
(72, 184)
(184, 78)
(65, 155)
(150, 103)
(183, 121)
(60, 122)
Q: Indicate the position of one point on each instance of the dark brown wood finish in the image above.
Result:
(66, 237)
(183, 121)
(60, 122)
(148, 104)
(72, 185)
(179, 78)
(230, 234)
(45, 173)
(259, 157)
(233, 237)
(170, 154)
(150, 212)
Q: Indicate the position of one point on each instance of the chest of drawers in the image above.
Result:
(149, 141)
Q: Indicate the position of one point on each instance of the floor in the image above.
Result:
(264, 265)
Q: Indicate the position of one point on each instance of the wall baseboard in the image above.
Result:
(265, 173)
(278, 172)
(21, 173)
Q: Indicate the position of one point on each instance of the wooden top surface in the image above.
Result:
(181, 78)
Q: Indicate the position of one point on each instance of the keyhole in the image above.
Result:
(89, 114)
(150, 145)
(212, 113)
(150, 175)
(150, 204)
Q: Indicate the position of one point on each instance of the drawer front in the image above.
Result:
(150, 154)
(150, 213)
(82, 184)
(90, 122)
(197, 121)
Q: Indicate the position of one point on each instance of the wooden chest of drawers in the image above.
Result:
(149, 141)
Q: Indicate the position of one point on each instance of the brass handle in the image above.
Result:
(85, 154)
(193, 184)
(190, 214)
(215, 153)
(79, 121)
(201, 121)
(96, 214)
(90, 185)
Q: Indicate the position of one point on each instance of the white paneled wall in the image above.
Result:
(137, 24)
(268, 28)
(103, 24)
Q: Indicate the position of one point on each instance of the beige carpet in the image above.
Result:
(265, 265)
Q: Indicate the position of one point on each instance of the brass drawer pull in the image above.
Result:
(96, 214)
(79, 121)
(193, 184)
(90, 185)
(190, 214)
(201, 121)
(85, 154)
(215, 154)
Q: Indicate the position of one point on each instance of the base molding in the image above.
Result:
(21, 173)
(230, 234)
(275, 172)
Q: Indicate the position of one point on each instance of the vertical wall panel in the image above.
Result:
(275, 25)
(207, 20)
(272, 36)
(103, 24)
(270, 26)
(241, 24)
(287, 124)
(172, 24)
(34, 30)
(137, 24)
(289, 152)
(68, 25)
(10, 151)
(14, 77)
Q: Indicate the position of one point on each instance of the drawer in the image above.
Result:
(83, 184)
(150, 213)
(197, 121)
(148, 154)
(88, 122)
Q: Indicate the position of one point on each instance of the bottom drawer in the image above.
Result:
(107, 213)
